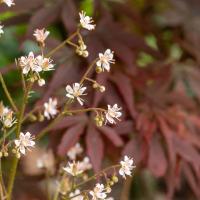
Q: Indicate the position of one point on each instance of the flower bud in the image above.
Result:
(108, 189)
(98, 69)
(32, 118)
(18, 155)
(102, 88)
(41, 82)
(95, 85)
(40, 117)
(115, 179)
(14, 151)
(5, 154)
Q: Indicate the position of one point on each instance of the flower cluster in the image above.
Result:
(9, 3)
(75, 92)
(100, 191)
(126, 167)
(81, 49)
(86, 21)
(6, 116)
(76, 168)
(104, 61)
(41, 35)
(50, 108)
(25, 142)
(75, 151)
(32, 66)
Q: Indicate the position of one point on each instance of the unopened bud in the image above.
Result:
(41, 82)
(14, 151)
(5, 154)
(85, 54)
(108, 190)
(115, 179)
(102, 88)
(98, 69)
(95, 85)
(40, 117)
(32, 118)
(18, 155)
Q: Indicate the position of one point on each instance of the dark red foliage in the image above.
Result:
(160, 127)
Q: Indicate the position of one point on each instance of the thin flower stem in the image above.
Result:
(15, 159)
(88, 71)
(62, 44)
(72, 44)
(22, 76)
(90, 80)
(97, 175)
(8, 94)
(85, 110)
(48, 186)
(56, 195)
(46, 129)
(1, 180)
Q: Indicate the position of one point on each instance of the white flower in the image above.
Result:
(28, 63)
(127, 166)
(73, 168)
(9, 2)
(74, 151)
(24, 142)
(1, 30)
(85, 164)
(44, 63)
(98, 192)
(113, 113)
(6, 116)
(86, 21)
(76, 194)
(105, 60)
(75, 92)
(41, 35)
(50, 108)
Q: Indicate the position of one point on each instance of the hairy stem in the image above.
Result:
(15, 159)
(88, 71)
(84, 110)
(62, 44)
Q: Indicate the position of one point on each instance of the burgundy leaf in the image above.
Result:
(70, 138)
(186, 151)
(95, 147)
(42, 18)
(157, 162)
(124, 86)
(112, 135)
(124, 127)
(68, 16)
(69, 121)
(133, 149)
(190, 176)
